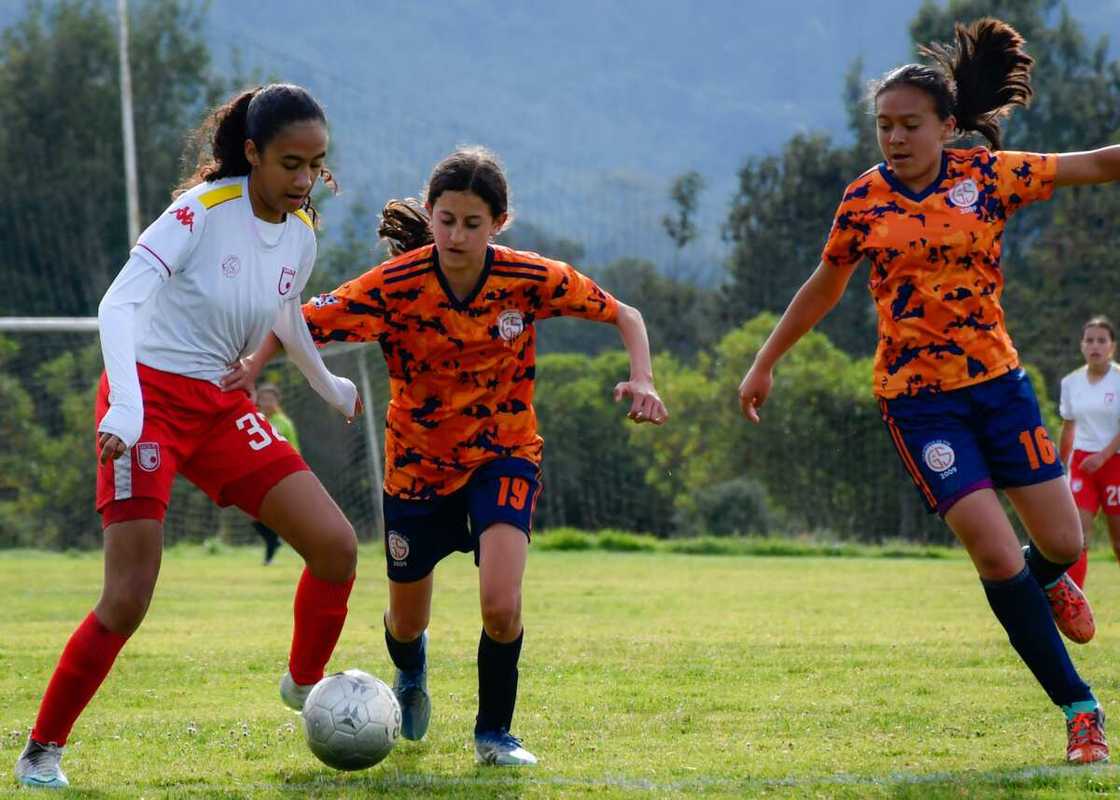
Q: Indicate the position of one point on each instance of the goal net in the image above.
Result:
(49, 371)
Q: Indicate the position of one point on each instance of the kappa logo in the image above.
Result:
(398, 547)
(147, 456)
(231, 266)
(964, 194)
(185, 217)
(287, 277)
(939, 456)
(511, 324)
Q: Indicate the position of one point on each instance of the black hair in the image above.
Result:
(979, 80)
(406, 225)
(258, 114)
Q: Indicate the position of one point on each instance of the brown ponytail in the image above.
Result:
(979, 80)
(405, 225)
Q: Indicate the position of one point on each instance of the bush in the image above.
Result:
(736, 507)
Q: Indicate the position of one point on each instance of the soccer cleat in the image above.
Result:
(1087, 744)
(294, 694)
(411, 689)
(500, 748)
(1071, 610)
(40, 766)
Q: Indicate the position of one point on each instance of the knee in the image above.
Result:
(336, 557)
(998, 565)
(406, 627)
(122, 611)
(501, 617)
(1065, 549)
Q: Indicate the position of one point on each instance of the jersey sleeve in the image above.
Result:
(844, 247)
(357, 311)
(306, 265)
(567, 292)
(169, 240)
(1025, 178)
(1065, 404)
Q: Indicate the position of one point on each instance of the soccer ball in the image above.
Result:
(351, 720)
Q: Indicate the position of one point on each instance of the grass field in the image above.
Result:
(643, 674)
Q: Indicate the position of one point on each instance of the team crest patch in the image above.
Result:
(511, 324)
(147, 456)
(398, 546)
(231, 266)
(939, 456)
(287, 277)
(964, 194)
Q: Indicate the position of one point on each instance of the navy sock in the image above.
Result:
(407, 656)
(1045, 571)
(497, 682)
(1022, 608)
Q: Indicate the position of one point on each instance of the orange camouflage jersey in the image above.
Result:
(935, 265)
(461, 372)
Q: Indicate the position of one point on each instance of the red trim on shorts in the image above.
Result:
(247, 493)
(907, 459)
(131, 509)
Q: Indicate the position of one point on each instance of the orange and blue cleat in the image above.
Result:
(1071, 609)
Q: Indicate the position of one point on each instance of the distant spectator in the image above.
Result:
(268, 401)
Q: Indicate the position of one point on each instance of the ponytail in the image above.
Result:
(979, 80)
(405, 225)
(992, 73)
(220, 142)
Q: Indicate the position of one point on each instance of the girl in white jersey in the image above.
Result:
(210, 277)
(1090, 410)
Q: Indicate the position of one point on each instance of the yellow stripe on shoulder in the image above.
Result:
(216, 197)
(303, 215)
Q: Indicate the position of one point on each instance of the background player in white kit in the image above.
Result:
(1090, 411)
(205, 283)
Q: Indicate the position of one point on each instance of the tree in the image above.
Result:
(61, 142)
(685, 194)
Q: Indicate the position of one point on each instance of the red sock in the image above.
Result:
(83, 665)
(320, 609)
(1079, 568)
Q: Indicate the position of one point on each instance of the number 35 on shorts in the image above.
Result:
(260, 436)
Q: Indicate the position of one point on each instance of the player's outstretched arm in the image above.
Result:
(645, 403)
(813, 300)
(1091, 166)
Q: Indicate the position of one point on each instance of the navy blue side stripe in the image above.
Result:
(522, 264)
(409, 265)
(399, 278)
(507, 274)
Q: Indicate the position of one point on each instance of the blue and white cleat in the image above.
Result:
(411, 689)
(40, 766)
(294, 694)
(500, 748)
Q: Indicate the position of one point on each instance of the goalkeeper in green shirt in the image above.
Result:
(268, 401)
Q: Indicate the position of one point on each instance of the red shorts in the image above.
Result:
(218, 440)
(1094, 491)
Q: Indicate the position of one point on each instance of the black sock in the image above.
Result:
(1044, 570)
(1023, 610)
(407, 656)
(497, 682)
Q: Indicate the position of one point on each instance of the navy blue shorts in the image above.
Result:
(421, 533)
(988, 435)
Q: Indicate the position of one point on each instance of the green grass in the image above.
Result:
(644, 674)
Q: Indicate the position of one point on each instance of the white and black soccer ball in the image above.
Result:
(351, 720)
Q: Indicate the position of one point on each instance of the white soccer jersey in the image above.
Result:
(1094, 407)
(224, 282)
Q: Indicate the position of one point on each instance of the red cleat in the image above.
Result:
(1071, 610)
(1087, 744)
